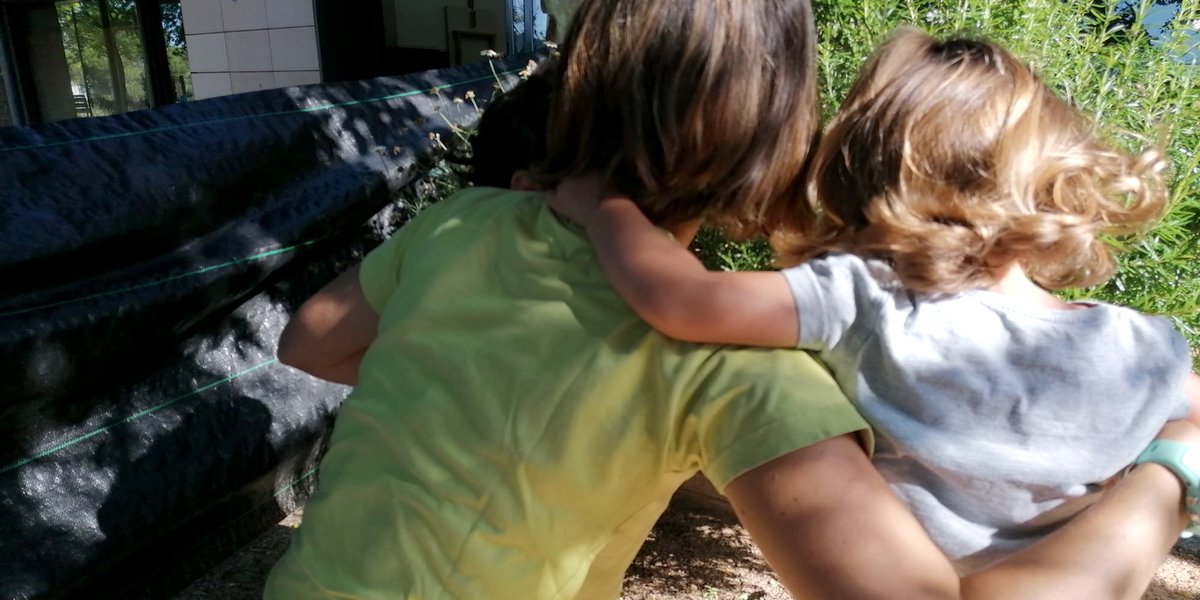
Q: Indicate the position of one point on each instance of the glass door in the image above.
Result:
(529, 25)
(559, 17)
(64, 59)
(100, 45)
(178, 67)
(537, 21)
(6, 109)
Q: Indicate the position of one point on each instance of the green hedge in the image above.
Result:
(1139, 89)
(1136, 87)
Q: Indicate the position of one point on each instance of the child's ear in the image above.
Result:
(521, 181)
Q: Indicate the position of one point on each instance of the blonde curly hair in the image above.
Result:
(952, 159)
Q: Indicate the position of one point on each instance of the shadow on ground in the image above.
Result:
(697, 551)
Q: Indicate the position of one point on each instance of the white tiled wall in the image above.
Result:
(207, 54)
(240, 15)
(251, 82)
(290, 78)
(249, 50)
(289, 13)
(239, 46)
(202, 16)
(207, 85)
(292, 49)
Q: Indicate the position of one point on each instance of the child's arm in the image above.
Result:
(670, 288)
(810, 512)
(1191, 389)
(330, 332)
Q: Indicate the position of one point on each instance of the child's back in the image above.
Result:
(962, 188)
(995, 419)
(1001, 407)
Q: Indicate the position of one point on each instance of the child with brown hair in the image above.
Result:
(498, 443)
(950, 192)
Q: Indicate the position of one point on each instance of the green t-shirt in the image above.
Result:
(517, 430)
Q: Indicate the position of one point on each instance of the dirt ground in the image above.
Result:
(697, 551)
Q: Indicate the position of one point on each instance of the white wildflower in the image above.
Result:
(436, 138)
(528, 70)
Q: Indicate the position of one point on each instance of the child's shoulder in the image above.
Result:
(499, 198)
(1147, 324)
(838, 265)
(478, 204)
(1142, 338)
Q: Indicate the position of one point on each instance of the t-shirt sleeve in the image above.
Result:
(763, 404)
(831, 293)
(1156, 334)
(1183, 404)
(379, 273)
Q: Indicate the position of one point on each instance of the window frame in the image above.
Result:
(17, 72)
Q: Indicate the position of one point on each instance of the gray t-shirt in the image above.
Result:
(995, 421)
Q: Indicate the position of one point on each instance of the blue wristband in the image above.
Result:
(1183, 459)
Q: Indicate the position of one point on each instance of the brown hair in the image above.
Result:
(511, 134)
(951, 159)
(690, 108)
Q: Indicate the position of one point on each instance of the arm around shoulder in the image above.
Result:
(1191, 389)
(668, 287)
(831, 528)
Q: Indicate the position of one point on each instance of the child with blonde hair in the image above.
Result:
(950, 192)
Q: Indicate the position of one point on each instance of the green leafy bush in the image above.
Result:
(1138, 87)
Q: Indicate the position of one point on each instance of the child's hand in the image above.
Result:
(574, 200)
(575, 208)
(579, 198)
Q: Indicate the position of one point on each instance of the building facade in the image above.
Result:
(65, 59)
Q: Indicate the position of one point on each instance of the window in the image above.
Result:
(105, 62)
(177, 57)
(529, 24)
(6, 110)
(91, 58)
